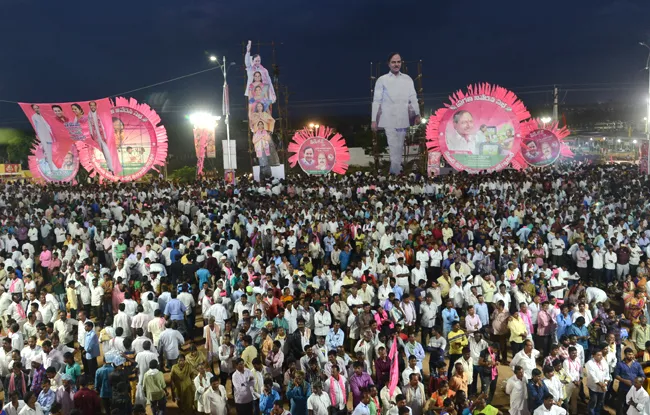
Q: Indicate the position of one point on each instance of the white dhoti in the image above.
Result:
(47, 153)
(107, 155)
(395, 137)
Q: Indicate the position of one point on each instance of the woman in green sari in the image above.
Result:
(183, 386)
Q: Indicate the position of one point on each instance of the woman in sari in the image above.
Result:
(182, 385)
(641, 276)
(195, 358)
(634, 306)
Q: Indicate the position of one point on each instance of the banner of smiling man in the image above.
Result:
(119, 141)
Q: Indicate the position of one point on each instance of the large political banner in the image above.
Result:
(140, 143)
(261, 96)
(479, 130)
(60, 126)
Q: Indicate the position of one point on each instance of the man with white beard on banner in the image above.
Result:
(394, 103)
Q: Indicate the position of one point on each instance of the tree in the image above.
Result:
(18, 143)
(185, 174)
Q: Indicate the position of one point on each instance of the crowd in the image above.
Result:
(303, 293)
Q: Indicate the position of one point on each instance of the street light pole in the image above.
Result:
(224, 66)
(226, 107)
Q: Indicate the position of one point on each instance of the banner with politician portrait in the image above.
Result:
(41, 166)
(479, 130)
(542, 144)
(140, 144)
(59, 126)
(319, 151)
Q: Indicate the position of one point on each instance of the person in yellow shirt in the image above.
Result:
(518, 332)
(457, 339)
(249, 353)
(445, 283)
(71, 294)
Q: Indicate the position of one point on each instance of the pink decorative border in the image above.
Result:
(497, 94)
(35, 169)
(519, 162)
(342, 154)
(157, 133)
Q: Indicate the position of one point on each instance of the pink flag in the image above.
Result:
(394, 367)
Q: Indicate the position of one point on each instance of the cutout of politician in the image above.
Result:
(393, 104)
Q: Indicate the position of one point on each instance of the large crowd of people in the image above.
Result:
(323, 296)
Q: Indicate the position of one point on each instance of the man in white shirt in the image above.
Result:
(517, 388)
(318, 403)
(637, 398)
(44, 134)
(554, 385)
(549, 407)
(394, 98)
(598, 378)
(97, 132)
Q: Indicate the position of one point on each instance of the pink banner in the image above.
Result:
(479, 135)
(316, 156)
(394, 367)
(643, 161)
(140, 143)
(201, 139)
(211, 147)
(541, 148)
(433, 163)
(59, 126)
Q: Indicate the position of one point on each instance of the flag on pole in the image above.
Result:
(226, 101)
(394, 367)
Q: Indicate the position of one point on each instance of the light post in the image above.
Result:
(546, 120)
(647, 117)
(226, 100)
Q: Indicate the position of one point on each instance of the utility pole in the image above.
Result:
(555, 104)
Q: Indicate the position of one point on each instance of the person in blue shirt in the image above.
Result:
(537, 390)
(175, 311)
(203, 275)
(625, 372)
(579, 329)
(298, 390)
(344, 257)
(335, 337)
(294, 258)
(397, 290)
(268, 398)
(449, 315)
(564, 321)
(91, 349)
(102, 384)
(47, 397)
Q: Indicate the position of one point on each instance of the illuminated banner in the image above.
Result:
(201, 138)
(643, 160)
(59, 126)
(140, 143)
(433, 163)
(261, 95)
(319, 151)
(211, 146)
(479, 130)
(41, 168)
(542, 144)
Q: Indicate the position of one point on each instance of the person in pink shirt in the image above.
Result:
(45, 258)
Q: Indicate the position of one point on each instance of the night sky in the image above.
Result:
(68, 51)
